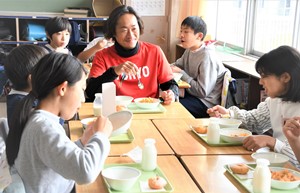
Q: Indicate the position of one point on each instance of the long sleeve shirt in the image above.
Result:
(204, 72)
(48, 161)
(270, 114)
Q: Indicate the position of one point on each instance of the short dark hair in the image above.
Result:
(284, 59)
(52, 70)
(111, 23)
(57, 24)
(196, 23)
(19, 64)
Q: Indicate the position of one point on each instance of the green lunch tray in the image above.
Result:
(221, 143)
(247, 183)
(144, 177)
(136, 110)
(123, 138)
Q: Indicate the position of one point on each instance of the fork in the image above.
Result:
(140, 84)
(123, 76)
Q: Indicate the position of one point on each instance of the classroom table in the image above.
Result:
(209, 172)
(173, 111)
(140, 129)
(184, 141)
(170, 166)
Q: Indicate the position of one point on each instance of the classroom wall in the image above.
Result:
(157, 28)
(42, 5)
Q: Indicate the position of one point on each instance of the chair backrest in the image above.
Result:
(10, 180)
(3, 129)
(228, 95)
(5, 178)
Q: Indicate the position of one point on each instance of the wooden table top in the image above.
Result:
(170, 166)
(185, 142)
(141, 129)
(173, 111)
(210, 174)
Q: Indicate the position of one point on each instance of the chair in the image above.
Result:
(228, 90)
(10, 180)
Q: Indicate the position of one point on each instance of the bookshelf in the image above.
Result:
(15, 27)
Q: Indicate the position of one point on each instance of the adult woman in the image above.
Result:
(37, 144)
(129, 59)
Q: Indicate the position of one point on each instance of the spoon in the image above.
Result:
(140, 84)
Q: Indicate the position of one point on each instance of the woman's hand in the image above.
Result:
(101, 124)
(127, 68)
(168, 96)
(255, 142)
(217, 111)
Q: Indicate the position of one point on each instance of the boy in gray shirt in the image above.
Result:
(200, 68)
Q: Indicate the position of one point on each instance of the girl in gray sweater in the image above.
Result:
(37, 145)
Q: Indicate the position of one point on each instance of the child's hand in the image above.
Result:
(217, 111)
(101, 124)
(255, 142)
(291, 128)
(175, 69)
(101, 44)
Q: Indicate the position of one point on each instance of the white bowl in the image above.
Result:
(275, 159)
(86, 121)
(285, 185)
(121, 122)
(121, 178)
(153, 102)
(123, 100)
(177, 76)
(234, 135)
(229, 123)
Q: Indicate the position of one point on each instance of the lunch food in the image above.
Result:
(147, 100)
(284, 175)
(239, 168)
(200, 129)
(240, 135)
(157, 182)
(120, 107)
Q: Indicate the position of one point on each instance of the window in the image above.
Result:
(255, 26)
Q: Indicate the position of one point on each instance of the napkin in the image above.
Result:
(135, 154)
(249, 175)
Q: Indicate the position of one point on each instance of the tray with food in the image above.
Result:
(135, 109)
(137, 180)
(123, 138)
(228, 137)
(283, 179)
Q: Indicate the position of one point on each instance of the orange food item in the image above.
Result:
(147, 100)
(120, 108)
(157, 182)
(201, 129)
(240, 135)
(240, 168)
(284, 175)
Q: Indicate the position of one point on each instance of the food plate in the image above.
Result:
(247, 183)
(136, 110)
(221, 143)
(122, 138)
(144, 177)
